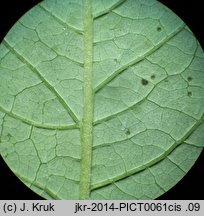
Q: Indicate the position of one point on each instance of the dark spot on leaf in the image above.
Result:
(189, 93)
(9, 135)
(127, 132)
(144, 82)
(159, 29)
(153, 76)
(166, 81)
(190, 78)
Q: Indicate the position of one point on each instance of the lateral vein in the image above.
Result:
(139, 59)
(60, 21)
(42, 78)
(37, 124)
(150, 163)
(114, 6)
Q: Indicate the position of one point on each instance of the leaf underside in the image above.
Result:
(101, 99)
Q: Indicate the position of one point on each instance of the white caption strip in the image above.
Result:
(76, 207)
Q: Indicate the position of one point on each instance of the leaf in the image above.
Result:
(101, 99)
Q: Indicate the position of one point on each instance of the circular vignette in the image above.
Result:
(158, 29)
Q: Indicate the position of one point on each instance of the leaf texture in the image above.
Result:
(101, 99)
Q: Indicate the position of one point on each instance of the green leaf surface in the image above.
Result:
(101, 99)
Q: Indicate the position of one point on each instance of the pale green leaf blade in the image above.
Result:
(101, 99)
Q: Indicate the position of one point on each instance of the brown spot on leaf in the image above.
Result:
(159, 29)
(189, 93)
(127, 132)
(9, 135)
(189, 78)
(144, 82)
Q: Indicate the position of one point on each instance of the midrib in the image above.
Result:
(87, 122)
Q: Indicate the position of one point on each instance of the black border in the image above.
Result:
(191, 186)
